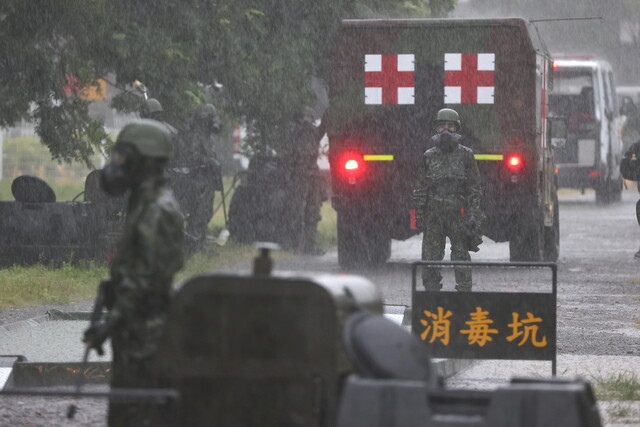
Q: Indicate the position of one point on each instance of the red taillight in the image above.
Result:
(351, 165)
(594, 174)
(514, 162)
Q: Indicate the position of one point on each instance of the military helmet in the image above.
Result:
(447, 115)
(153, 106)
(205, 111)
(149, 137)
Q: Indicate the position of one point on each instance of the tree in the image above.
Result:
(264, 52)
(611, 36)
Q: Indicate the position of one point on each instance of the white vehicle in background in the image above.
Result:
(584, 92)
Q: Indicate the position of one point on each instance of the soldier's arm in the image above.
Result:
(474, 183)
(158, 255)
(421, 188)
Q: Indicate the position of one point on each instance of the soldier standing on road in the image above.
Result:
(447, 201)
(630, 169)
(307, 187)
(149, 254)
(196, 174)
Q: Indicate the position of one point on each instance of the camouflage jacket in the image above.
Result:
(451, 178)
(149, 254)
(193, 149)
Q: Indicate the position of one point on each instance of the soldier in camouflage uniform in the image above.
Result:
(306, 185)
(195, 173)
(447, 201)
(149, 254)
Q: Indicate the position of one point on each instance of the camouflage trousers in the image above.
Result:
(132, 366)
(440, 224)
(304, 204)
(196, 198)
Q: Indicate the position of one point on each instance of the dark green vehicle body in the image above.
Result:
(373, 202)
(36, 228)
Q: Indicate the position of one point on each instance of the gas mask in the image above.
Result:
(118, 176)
(446, 141)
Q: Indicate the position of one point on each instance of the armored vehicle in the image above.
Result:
(388, 80)
(584, 92)
(36, 228)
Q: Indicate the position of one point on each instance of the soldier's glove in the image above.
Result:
(96, 335)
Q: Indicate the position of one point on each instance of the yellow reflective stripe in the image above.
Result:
(489, 156)
(378, 157)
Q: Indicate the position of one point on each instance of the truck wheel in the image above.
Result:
(608, 192)
(552, 236)
(360, 243)
(616, 190)
(527, 242)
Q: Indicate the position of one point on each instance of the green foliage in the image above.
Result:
(621, 386)
(263, 52)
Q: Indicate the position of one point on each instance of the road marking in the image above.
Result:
(378, 157)
(488, 156)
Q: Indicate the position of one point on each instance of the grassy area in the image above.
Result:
(620, 394)
(39, 285)
(621, 386)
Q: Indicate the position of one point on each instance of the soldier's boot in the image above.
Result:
(463, 279)
(432, 287)
(431, 279)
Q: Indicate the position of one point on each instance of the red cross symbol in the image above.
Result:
(469, 78)
(389, 79)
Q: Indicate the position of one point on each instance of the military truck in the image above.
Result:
(388, 80)
(584, 92)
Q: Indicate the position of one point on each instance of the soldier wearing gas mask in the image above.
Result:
(196, 174)
(447, 201)
(149, 253)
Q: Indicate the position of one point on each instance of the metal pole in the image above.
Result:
(554, 273)
(152, 395)
(1, 152)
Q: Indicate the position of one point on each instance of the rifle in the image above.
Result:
(101, 301)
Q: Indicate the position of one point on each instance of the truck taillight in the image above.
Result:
(514, 162)
(351, 166)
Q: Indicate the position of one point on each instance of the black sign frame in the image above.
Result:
(458, 345)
